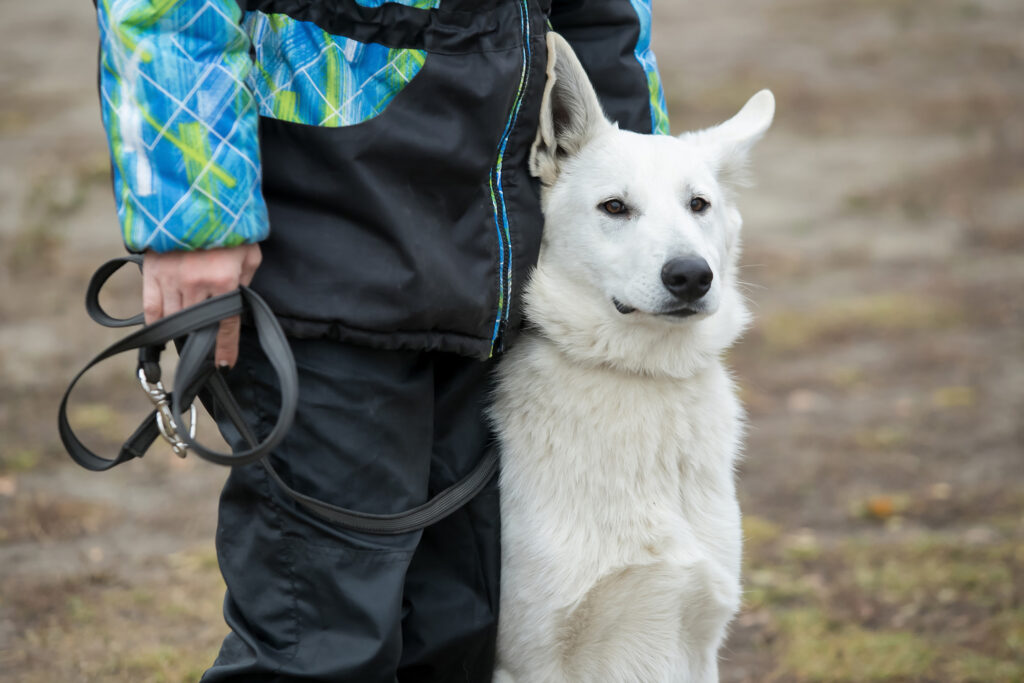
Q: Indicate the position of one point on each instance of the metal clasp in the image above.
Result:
(165, 416)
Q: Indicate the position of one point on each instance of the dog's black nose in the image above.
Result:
(687, 278)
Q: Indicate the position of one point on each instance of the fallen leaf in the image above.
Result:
(953, 397)
(880, 507)
(8, 485)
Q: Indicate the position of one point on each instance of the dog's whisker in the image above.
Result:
(750, 285)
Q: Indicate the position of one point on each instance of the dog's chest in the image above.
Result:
(613, 470)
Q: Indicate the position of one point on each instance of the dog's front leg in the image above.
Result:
(709, 674)
(502, 676)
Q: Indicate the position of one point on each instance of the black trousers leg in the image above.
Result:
(375, 431)
(451, 589)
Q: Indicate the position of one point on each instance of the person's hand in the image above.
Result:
(178, 279)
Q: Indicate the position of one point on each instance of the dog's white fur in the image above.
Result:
(619, 431)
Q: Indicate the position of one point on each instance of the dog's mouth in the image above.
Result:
(621, 307)
(680, 313)
(684, 312)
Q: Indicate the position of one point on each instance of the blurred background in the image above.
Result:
(883, 487)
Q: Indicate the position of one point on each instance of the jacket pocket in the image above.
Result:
(303, 74)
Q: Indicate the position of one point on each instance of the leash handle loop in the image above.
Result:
(96, 283)
(195, 329)
(194, 332)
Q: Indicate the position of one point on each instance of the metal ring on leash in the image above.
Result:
(165, 416)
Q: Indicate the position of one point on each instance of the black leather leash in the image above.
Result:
(194, 332)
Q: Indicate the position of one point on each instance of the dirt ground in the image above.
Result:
(883, 486)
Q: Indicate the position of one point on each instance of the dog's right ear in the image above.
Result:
(729, 143)
(570, 114)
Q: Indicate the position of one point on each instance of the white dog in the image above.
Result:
(619, 424)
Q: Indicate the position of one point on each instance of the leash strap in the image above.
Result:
(194, 332)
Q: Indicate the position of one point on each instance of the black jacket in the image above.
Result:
(393, 142)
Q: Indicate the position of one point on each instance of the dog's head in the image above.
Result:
(638, 262)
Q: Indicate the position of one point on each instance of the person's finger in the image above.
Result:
(193, 295)
(171, 300)
(226, 353)
(253, 258)
(152, 299)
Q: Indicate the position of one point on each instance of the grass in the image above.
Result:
(974, 668)
(766, 588)
(43, 517)
(954, 397)
(20, 460)
(930, 569)
(876, 315)
(821, 649)
(758, 531)
(872, 609)
(159, 664)
(98, 416)
(50, 205)
(881, 438)
(163, 627)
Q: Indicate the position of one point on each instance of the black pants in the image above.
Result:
(376, 431)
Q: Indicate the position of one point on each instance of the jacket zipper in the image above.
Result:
(498, 196)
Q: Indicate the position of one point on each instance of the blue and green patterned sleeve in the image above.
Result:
(645, 55)
(181, 123)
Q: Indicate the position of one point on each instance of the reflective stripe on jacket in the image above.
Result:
(385, 144)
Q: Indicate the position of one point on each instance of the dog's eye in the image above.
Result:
(699, 205)
(614, 207)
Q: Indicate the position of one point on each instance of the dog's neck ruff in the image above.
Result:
(589, 331)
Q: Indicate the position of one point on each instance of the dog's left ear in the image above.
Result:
(570, 115)
(730, 142)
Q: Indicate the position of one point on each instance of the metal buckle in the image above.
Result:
(165, 416)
